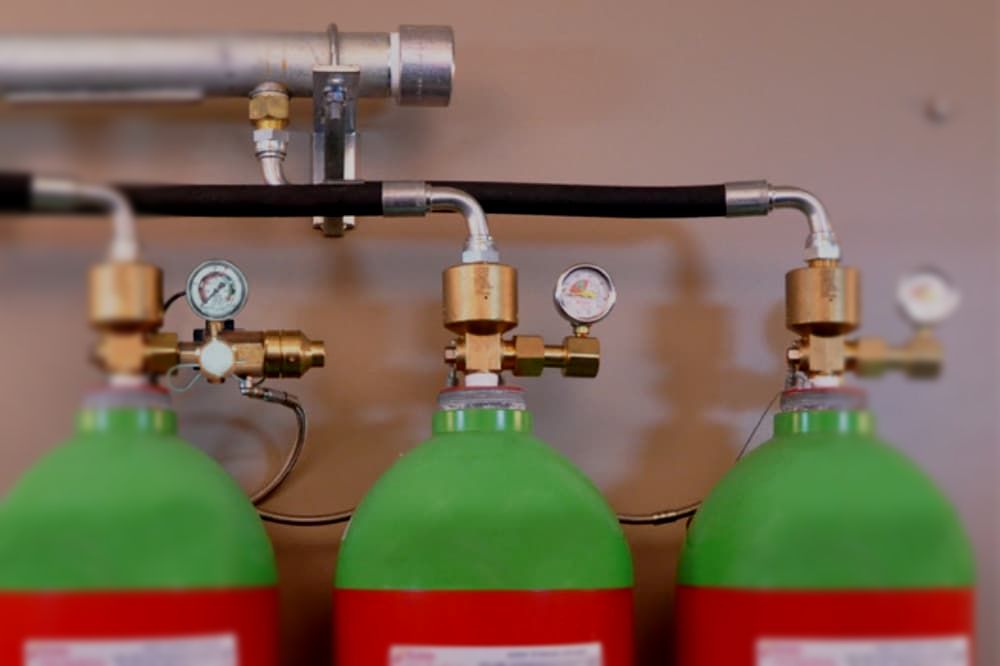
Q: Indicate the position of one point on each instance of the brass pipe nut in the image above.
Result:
(924, 356)
(528, 356)
(583, 357)
(270, 109)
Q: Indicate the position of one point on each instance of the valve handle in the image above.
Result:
(927, 297)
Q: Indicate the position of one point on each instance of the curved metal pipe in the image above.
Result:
(760, 197)
(272, 167)
(822, 242)
(295, 452)
(479, 245)
(415, 198)
(663, 517)
(284, 399)
(56, 194)
(306, 521)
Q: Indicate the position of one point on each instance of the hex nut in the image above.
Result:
(529, 355)
(583, 357)
(270, 107)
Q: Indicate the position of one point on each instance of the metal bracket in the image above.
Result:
(335, 134)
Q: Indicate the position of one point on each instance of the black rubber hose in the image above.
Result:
(360, 198)
(596, 200)
(15, 192)
(365, 198)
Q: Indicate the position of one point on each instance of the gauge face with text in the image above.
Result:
(585, 294)
(217, 290)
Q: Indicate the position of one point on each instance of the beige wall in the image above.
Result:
(825, 95)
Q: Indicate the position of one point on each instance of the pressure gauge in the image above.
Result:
(217, 290)
(585, 294)
(927, 297)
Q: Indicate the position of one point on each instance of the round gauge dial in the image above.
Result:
(217, 290)
(585, 294)
(927, 297)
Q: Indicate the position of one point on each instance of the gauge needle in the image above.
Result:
(216, 292)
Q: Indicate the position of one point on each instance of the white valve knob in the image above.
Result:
(216, 360)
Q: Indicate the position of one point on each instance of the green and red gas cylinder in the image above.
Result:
(825, 546)
(126, 545)
(483, 545)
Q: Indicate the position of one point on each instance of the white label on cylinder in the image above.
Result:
(948, 651)
(580, 654)
(201, 651)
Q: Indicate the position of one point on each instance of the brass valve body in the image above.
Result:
(273, 354)
(480, 305)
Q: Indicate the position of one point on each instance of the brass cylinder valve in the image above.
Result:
(480, 306)
(127, 308)
(823, 307)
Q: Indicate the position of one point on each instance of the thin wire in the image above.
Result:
(767, 410)
(172, 372)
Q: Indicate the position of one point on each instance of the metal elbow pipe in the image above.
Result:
(479, 246)
(760, 198)
(56, 194)
(407, 198)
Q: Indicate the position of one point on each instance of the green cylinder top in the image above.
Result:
(483, 505)
(126, 504)
(826, 504)
(854, 422)
(482, 420)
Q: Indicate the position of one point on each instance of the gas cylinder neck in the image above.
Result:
(494, 409)
(843, 422)
(140, 410)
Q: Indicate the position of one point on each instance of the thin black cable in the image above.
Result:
(173, 299)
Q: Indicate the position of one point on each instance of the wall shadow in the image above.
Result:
(682, 458)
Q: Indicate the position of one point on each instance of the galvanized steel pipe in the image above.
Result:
(415, 65)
